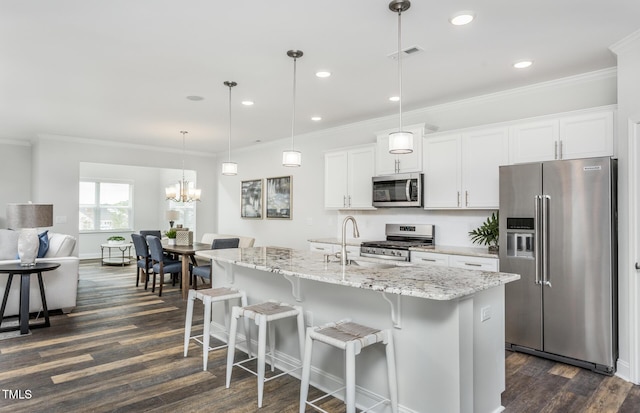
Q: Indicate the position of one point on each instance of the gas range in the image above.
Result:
(400, 237)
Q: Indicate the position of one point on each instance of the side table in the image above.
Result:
(120, 260)
(25, 279)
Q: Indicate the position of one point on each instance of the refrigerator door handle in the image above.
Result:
(537, 246)
(546, 279)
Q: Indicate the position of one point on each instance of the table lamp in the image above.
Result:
(172, 215)
(28, 218)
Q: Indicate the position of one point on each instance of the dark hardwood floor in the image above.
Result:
(121, 350)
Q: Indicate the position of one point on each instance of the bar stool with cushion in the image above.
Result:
(263, 314)
(351, 338)
(162, 264)
(208, 297)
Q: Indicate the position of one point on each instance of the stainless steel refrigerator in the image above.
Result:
(558, 231)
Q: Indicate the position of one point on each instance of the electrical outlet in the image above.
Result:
(485, 313)
(308, 318)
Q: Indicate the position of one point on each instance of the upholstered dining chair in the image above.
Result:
(204, 271)
(143, 258)
(162, 264)
(155, 232)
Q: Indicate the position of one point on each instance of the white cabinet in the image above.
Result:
(457, 261)
(429, 258)
(327, 248)
(347, 178)
(473, 263)
(389, 164)
(567, 137)
(461, 169)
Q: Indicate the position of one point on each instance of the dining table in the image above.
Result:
(187, 255)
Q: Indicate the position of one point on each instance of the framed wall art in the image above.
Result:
(278, 197)
(251, 199)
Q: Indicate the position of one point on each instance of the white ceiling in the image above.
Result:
(121, 70)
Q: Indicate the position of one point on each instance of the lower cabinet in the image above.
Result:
(327, 248)
(457, 261)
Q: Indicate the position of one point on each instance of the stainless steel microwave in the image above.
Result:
(397, 191)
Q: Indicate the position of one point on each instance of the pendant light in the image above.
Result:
(400, 142)
(229, 168)
(293, 157)
(184, 191)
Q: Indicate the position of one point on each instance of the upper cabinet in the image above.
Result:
(389, 164)
(347, 178)
(461, 169)
(565, 137)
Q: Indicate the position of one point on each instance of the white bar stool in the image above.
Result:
(351, 338)
(263, 314)
(209, 296)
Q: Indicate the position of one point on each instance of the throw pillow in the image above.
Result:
(44, 244)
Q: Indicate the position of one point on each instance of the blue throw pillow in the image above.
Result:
(44, 244)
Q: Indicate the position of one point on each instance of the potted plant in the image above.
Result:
(487, 233)
(116, 239)
(171, 234)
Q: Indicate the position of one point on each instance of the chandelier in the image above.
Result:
(183, 191)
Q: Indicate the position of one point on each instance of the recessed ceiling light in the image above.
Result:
(247, 102)
(462, 18)
(522, 64)
(323, 73)
(394, 98)
(316, 118)
(195, 98)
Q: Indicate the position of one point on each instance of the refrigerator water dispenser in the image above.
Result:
(520, 238)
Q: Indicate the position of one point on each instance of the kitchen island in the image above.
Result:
(448, 323)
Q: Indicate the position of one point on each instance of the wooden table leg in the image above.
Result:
(25, 280)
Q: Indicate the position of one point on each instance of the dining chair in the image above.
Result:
(204, 271)
(143, 259)
(155, 232)
(162, 264)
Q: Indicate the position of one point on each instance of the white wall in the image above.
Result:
(628, 53)
(15, 170)
(311, 220)
(56, 173)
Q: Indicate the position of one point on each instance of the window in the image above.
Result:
(105, 206)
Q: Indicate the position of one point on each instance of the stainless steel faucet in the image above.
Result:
(356, 234)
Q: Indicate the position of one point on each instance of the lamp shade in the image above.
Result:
(229, 168)
(29, 215)
(172, 215)
(401, 142)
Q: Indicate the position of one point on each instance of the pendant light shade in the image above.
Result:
(293, 157)
(400, 142)
(229, 168)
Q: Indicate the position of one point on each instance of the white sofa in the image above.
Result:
(60, 285)
(245, 242)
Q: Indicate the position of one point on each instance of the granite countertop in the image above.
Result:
(431, 282)
(438, 249)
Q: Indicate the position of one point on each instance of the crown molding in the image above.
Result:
(100, 142)
(15, 142)
(622, 45)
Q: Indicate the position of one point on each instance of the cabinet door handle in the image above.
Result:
(560, 149)
(466, 198)
(458, 198)
(428, 259)
(555, 150)
(472, 264)
(344, 200)
(349, 201)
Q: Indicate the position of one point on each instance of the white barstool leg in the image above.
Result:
(391, 372)
(247, 328)
(301, 331)
(206, 334)
(262, 338)
(188, 321)
(350, 377)
(231, 345)
(272, 344)
(306, 372)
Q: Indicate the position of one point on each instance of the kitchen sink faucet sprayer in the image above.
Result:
(356, 234)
